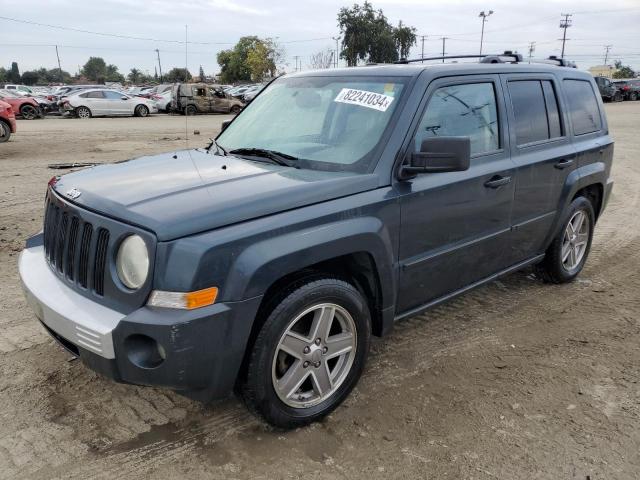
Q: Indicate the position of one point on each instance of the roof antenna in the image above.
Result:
(186, 69)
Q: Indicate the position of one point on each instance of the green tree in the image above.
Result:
(177, 75)
(251, 58)
(112, 74)
(3, 74)
(405, 38)
(95, 69)
(623, 71)
(134, 75)
(201, 74)
(30, 78)
(14, 74)
(367, 36)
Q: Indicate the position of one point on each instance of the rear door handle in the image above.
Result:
(497, 181)
(567, 162)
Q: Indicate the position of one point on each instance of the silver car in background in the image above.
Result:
(102, 102)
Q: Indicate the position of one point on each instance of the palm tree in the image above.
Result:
(134, 75)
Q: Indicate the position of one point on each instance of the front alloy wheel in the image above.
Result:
(309, 353)
(314, 355)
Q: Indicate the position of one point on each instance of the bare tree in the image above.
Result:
(322, 59)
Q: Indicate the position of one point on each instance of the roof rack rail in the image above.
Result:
(561, 62)
(498, 58)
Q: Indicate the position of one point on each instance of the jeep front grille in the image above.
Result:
(71, 250)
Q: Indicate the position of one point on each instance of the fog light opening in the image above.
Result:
(144, 351)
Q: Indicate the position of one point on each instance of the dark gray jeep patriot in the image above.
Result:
(336, 203)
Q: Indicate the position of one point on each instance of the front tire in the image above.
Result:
(236, 109)
(633, 96)
(29, 112)
(617, 97)
(309, 354)
(569, 250)
(190, 110)
(5, 132)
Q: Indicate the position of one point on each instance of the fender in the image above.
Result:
(590, 174)
(259, 265)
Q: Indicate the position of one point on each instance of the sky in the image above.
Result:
(28, 30)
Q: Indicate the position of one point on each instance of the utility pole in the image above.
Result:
(484, 16)
(444, 39)
(337, 39)
(607, 49)
(159, 66)
(59, 67)
(296, 57)
(422, 37)
(532, 48)
(564, 24)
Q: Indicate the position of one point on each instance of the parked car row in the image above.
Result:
(7, 121)
(618, 90)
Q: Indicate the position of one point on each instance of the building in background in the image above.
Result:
(603, 71)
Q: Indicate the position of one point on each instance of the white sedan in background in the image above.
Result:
(102, 102)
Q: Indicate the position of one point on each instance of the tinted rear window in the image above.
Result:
(535, 110)
(583, 107)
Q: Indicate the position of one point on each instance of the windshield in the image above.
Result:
(328, 123)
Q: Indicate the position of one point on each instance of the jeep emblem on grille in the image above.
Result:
(73, 193)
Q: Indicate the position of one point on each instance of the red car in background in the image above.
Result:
(26, 107)
(7, 121)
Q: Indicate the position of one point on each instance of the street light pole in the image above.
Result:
(484, 16)
(159, 66)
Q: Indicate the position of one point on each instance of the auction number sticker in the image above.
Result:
(377, 101)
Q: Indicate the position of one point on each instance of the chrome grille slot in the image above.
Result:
(100, 261)
(60, 243)
(71, 250)
(83, 261)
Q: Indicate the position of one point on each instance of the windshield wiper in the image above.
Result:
(278, 158)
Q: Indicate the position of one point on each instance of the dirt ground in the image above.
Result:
(516, 380)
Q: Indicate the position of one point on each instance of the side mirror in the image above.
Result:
(439, 154)
(124, 98)
(225, 124)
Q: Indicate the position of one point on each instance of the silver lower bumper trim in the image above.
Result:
(78, 319)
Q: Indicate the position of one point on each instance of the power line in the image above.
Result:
(146, 39)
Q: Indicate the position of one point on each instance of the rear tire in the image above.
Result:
(236, 109)
(617, 97)
(633, 96)
(294, 375)
(141, 111)
(569, 250)
(5, 132)
(83, 112)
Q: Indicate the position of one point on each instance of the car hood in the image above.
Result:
(191, 191)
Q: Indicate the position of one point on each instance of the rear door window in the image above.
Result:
(96, 94)
(535, 111)
(583, 107)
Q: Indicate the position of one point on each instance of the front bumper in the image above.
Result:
(201, 350)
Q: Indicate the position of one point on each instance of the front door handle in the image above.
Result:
(497, 181)
(567, 162)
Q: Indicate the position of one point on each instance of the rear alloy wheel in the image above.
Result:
(83, 112)
(190, 110)
(309, 353)
(236, 109)
(568, 251)
(5, 132)
(29, 112)
(141, 111)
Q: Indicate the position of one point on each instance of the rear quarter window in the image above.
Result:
(583, 106)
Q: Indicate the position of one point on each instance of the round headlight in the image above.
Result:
(132, 262)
